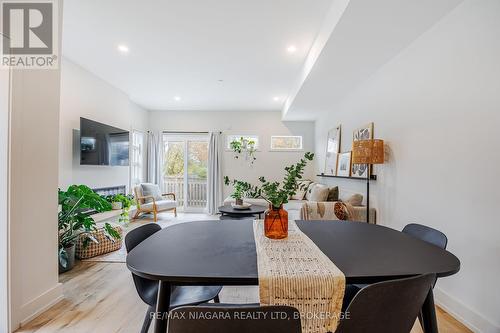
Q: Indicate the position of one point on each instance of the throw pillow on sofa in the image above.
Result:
(319, 193)
(355, 200)
(333, 195)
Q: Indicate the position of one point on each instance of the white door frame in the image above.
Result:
(186, 138)
(5, 77)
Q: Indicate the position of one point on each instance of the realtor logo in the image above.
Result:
(29, 34)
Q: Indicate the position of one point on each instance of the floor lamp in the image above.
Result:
(368, 152)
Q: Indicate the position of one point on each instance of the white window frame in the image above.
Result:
(231, 137)
(141, 156)
(301, 148)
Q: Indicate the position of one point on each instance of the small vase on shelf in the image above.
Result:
(276, 222)
(239, 202)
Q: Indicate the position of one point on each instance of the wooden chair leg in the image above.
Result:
(147, 319)
(175, 212)
(136, 215)
(154, 216)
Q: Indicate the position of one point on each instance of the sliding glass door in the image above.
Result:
(185, 169)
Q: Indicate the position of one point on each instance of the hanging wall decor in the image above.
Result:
(245, 147)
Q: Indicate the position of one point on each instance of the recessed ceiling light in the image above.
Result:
(177, 98)
(291, 49)
(123, 48)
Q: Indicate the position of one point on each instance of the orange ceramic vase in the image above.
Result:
(276, 223)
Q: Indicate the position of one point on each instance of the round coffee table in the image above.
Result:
(229, 211)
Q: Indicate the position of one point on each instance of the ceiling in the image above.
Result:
(195, 54)
(366, 36)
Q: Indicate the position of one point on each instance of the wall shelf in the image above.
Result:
(372, 177)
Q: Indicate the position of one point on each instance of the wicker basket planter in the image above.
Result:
(96, 249)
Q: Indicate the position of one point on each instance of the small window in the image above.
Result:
(253, 139)
(281, 142)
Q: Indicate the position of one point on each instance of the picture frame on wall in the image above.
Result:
(332, 151)
(344, 164)
(361, 133)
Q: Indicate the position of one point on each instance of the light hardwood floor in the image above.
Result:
(101, 298)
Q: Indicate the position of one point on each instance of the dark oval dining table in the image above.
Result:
(223, 253)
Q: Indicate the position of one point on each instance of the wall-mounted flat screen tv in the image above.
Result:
(102, 144)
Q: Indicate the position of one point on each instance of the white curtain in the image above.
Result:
(155, 159)
(214, 186)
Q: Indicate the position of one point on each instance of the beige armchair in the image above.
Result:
(153, 203)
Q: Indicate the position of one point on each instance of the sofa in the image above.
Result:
(307, 194)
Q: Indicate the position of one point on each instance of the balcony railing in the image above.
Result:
(196, 191)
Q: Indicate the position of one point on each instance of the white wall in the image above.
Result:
(264, 124)
(33, 205)
(4, 167)
(437, 105)
(85, 95)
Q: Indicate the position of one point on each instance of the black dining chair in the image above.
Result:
(226, 318)
(148, 289)
(419, 231)
(427, 234)
(431, 236)
(386, 307)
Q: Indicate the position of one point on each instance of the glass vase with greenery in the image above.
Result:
(74, 221)
(277, 194)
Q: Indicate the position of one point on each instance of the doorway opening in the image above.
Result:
(185, 161)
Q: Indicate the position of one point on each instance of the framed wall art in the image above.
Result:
(344, 164)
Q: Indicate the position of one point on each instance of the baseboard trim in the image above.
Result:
(470, 318)
(38, 305)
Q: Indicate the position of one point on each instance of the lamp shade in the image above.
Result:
(368, 151)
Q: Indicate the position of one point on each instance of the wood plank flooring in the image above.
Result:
(101, 298)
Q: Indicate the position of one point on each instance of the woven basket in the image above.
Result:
(96, 249)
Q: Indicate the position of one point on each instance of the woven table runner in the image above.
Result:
(294, 272)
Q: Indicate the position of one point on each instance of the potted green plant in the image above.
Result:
(73, 221)
(244, 145)
(123, 202)
(277, 194)
(242, 190)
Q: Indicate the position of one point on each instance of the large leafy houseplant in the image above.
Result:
(74, 220)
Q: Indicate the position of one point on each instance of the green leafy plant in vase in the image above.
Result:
(74, 221)
(277, 194)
